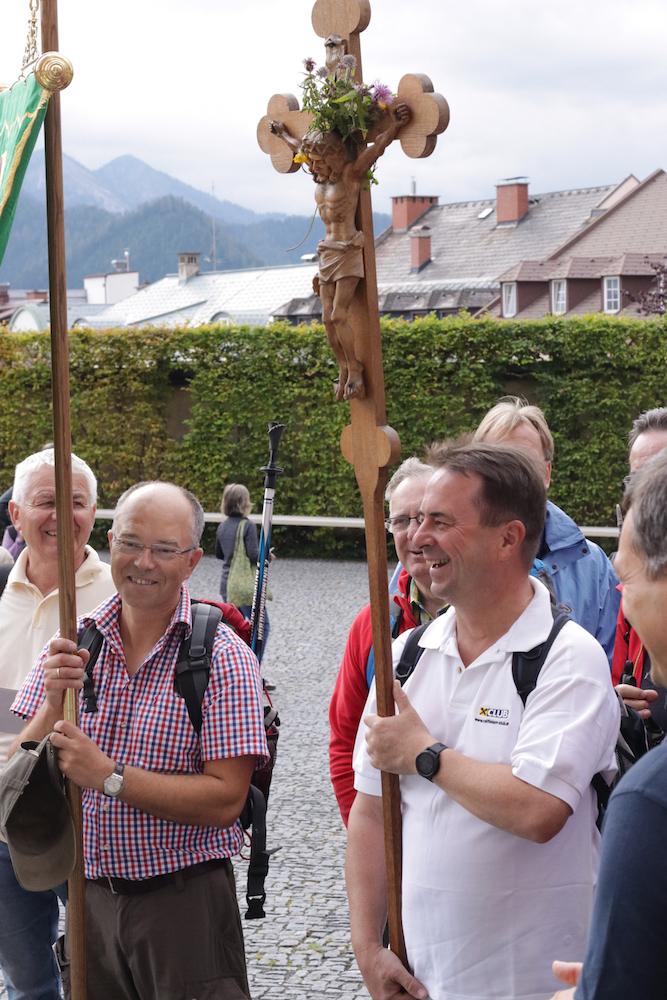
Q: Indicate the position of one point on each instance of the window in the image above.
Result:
(558, 297)
(509, 299)
(612, 294)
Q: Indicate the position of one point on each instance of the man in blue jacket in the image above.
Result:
(582, 575)
(625, 955)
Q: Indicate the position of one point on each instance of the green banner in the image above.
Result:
(22, 110)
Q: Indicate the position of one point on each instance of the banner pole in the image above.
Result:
(63, 471)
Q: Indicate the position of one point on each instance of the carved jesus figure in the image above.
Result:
(339, 170)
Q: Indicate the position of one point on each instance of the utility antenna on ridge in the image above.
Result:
(213, 252)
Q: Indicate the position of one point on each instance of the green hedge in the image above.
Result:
(591, 375)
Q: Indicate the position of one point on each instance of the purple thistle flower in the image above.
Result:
(381, 93)
(322, 72)
(348, 62)
(309, 63)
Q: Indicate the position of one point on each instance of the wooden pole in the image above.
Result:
(372, 447)
(368, 443)
(63, 454)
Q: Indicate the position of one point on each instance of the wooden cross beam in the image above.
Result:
(367, 443)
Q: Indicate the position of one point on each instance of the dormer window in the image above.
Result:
(611, 292)
(509, 299)
(558, 297)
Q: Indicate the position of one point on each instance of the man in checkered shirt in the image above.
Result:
(160, 804)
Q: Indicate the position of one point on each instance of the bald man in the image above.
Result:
(161, 802)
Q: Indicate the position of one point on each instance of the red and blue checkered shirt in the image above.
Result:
(140, 721)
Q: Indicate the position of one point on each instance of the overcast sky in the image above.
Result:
(570, 94)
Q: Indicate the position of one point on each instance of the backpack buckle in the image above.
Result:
(197, 661)
(255, 909)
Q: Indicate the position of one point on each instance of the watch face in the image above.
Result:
(113, 784)
(427, 763)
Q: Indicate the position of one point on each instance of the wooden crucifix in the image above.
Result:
(347, 285)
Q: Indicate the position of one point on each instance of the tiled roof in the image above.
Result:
(637, 224)
(463, 245)
(584, 267)
(408, 296)
(246, 296)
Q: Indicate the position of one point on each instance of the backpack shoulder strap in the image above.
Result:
(5, 570)
(395, 620)
(194, 660)
(90, 638)
(526, 666)
(411, 654)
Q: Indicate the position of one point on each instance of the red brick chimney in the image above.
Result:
(408, 207)
(420, 246)
(37, 296)
(512, 199)
(4, 293)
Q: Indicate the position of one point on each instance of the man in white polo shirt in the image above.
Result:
(500, 845)
(29, 618)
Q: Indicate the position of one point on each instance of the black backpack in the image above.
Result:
(632, 742)
(191, 677)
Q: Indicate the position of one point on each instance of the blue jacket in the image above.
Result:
(583, 577)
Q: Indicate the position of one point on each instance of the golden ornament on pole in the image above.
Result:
(53, 71)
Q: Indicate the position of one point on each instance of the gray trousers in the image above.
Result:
(175, 943)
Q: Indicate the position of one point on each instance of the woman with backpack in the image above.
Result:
(237, 558)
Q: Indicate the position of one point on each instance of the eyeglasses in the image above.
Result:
(162, 553)
(399, 525)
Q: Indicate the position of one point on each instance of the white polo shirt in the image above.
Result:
(28, 620)
(485, 912)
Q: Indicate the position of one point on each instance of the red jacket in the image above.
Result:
(351, 692)
(630, 649)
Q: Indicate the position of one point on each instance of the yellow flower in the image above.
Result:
(300, 158)
(383, 106)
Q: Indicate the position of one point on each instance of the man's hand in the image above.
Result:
(401, 114)
(79, 758)
(393, 743)
(567, 972)
(637, 698)
(386, 977)
(64, 668)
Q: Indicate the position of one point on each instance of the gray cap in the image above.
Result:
(35, 817)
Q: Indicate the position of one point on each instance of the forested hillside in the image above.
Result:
(154, 234)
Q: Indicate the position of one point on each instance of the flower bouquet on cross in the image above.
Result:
(345, 116)
(339, 105)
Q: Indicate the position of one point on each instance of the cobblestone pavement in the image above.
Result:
(301, 950)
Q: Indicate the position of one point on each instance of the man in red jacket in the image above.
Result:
(647, 437)
(412, 605)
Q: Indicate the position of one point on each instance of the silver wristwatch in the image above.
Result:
(113, 785)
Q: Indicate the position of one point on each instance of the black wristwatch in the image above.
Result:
(428, 761)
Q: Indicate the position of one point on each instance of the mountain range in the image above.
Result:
(126, 204)
(125, 183)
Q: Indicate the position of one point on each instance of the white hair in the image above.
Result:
(646, 497)
(411, 468)
(25, 470)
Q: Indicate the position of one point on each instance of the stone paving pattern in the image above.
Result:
(302, 950)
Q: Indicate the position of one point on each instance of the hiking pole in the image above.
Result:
(258, 615)
(63, 472)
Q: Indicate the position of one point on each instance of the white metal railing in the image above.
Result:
(340, 522)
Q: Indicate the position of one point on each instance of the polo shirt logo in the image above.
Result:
(493, 716)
